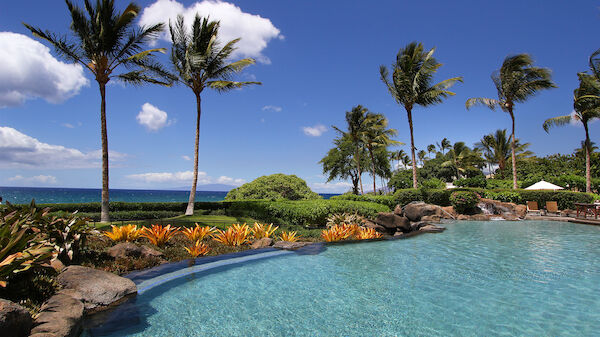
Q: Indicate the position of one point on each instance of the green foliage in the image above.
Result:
(565, 199)
(273, 187)
(494, 184)
(464, 202)
(433, 183)
(130, 215)
(507, 195)
(401, 179)
(388, 200)
(440, 197)
(478, 181)
(408, 195)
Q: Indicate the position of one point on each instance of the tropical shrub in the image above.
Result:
(274, 187)
(235, 235)
(367, 233)
(124, 233)
(504, 195)
(464, 201)
(503, 184)
(477, 181)
(260, 231)
(159, 235)
(337, 233)
(437, 197)
(433, 183)
(197, 249)
(289, 236)
(408, 195)
(344, 219)
(67, 234)
(198, 233)
(387, 200)
(402, 179)
(564, 199)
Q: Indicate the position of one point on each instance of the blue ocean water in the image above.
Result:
(22, 195)
(499, 278)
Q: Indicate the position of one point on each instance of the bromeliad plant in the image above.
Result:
(260, 231)
(197, 249)
(367, 233)
(289, 236)
(159, 235)
(235, 235)
(337, 233)
(198, 233)
(127, 233)
(344, 219)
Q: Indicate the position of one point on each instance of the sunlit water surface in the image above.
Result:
(476, 279)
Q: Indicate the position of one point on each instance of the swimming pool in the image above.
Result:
(498, 278)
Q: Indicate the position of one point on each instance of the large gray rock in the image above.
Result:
(393, 222)
(415, 210)
(15, 321)
(371, 224)
(290, 245)
(95, 288)
(398, 210)
(432, 229)
(128, 249)
(262, 243)
(60, 316)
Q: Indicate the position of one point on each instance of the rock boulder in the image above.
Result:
(393, 222)
(290, 245)
(415, 210)
(15, 321)
(60, 316)
(371, 224)
(262, 243)
(432, 229)
(95, 288)
(128, 249)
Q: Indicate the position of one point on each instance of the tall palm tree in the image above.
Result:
(398, 155)
(421, 155)
(430, 149)
(586, 110)
(485, 146)
(375, 136)
(444, 145)
(106, 42)
(356, 120)
(200, 62)
(462, 158)
(411, 84)
(516, 81)
(580, 151)
(406, 161)
(498, 148)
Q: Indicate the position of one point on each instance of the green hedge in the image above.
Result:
(388, 200)
(565, 199)
(437, 197)
(302, 212)
(125, 215)
(119, 206)
(464, 201)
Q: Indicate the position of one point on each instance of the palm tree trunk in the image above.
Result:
(588, 176)
(373, 167)
(357, 158)
(104, 211)
(412, 147)
(190, 207)
(512, 148)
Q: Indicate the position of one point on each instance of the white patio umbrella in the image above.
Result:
(544, 185)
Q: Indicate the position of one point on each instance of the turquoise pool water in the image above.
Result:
(476, 279)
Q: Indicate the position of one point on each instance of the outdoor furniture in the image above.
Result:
(587, 209)
(532, 207)
(552, 208)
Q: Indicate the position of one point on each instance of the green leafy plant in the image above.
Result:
(433, 183)
(274, 187)
(67, 234)
(464, 202)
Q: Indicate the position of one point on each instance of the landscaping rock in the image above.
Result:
(290, 245)
(431, 218)
(128, 249)
(415, 210)
(463, 217)
(398, 210)
(480, 217)
(510, 217)
(60, 316)
(449, 212)
(393, 222)
(95, 288)
(428, 228)
(262, 243)
(15, 321)
(520, 211)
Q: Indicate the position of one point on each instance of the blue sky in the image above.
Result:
(317, 59)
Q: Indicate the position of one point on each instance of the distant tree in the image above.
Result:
(339, 163)
(421, 155)
(587, 109)
(580, 152)
(444, 145)
(516, 81)
(377, 136)
(430, 149)
(462, 159)
(497, 148)
(406, 161)
(275, 186)
(200, 62)
(107, 42)
(411, 84)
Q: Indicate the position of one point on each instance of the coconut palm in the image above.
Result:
(107, 42)
(375, 136)
(398, 155)
(421, 155)
(462, 158)
(497, 148)
(406, 161)
(444, 145)
(201, 62)
(430, 149)
(356, 120)
(587, 109)
(580, 151)
(516, 81)
(411, 84)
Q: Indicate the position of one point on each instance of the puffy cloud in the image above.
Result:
(274, 108)
(41, 179)
(183, 177)
(18, 150)
(230, 181)
(255, 31)
(28, 70)
(186, 158)
(314, 131)
(152, 118)
(338, 187)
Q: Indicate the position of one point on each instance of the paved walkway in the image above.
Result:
(588, 221)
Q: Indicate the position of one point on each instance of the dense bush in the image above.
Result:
(437, 197)
(504, 195)
(494, 184)
(131, 215)
(402, 179)
(303, 212)
(274, 187)
(408, 195)
(388, 200)
(119, 206)
(565, 199)
(477, 181)
(464, 202)
(433, 183)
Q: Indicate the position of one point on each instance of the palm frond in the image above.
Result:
(488, 102)
(556, 121)
(223, 86)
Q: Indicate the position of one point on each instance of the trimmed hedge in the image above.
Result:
(437, 197)
(565, 199)
(125, 215)
(388, 200)
(119, 206)
(464, 201)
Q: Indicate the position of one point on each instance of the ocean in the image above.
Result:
(43, 195)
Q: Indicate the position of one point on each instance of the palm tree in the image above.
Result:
(430, 149)
(411, 84)
(406, 161)
(485, 146)
(421, 155)
(516, 81)
(444, 144)
(398, 155)
(356, 119)
(462, 158)
(586, 110)
(107, 42)
(498, 148)
(339, 163)
(376, 135)
(200, 62)
(581, 151)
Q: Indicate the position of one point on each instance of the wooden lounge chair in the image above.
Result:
(532, 208)
(552, 208)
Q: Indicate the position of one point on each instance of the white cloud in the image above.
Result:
(68, 125)
(255, 31)
(338, 187)
(230, 181)
(183, 177)
(28, 71)
(152, 118)
(274, 108)
(41, 179)
(18, 150)
(186, 158)
(314, 131)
